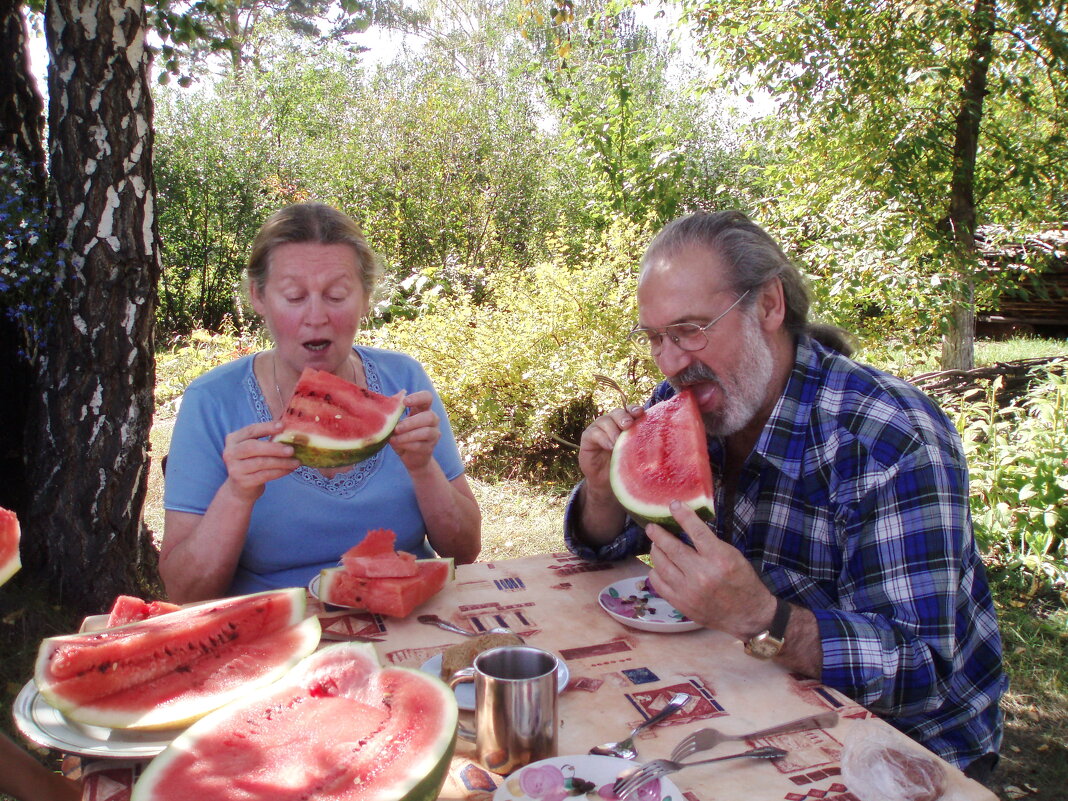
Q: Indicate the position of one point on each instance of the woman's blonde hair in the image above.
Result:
(311, 222)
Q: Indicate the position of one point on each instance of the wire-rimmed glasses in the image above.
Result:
(685, 336)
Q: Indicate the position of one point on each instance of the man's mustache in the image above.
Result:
(693, 374)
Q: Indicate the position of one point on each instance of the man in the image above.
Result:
(842, 545)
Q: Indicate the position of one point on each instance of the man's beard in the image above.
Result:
(743, 390)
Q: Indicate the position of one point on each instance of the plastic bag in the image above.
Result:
(877, 766)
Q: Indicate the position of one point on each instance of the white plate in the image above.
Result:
(632, 603)
(465, 693)
(45, 725)
(557, 777)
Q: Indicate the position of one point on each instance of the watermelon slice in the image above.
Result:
(128, 609)
(395, 597)
(338, 727)
(9, 544)
(374, 557)
(661, 458)
(171, 669)
(332, 423)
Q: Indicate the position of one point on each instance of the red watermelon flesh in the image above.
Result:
(169, 669)
(336, 728)
(395, 597)
(374, 557)
(129, 609)
(333, 423)
(663, 457)
(9, 544)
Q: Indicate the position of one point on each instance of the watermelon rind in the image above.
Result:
(422, 781)
(644, 511)
(306, 633)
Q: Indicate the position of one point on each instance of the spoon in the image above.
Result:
(434, 620)
(625, 749)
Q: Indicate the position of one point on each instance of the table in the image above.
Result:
(619, 677)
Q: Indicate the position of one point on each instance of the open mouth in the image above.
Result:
(317, 345)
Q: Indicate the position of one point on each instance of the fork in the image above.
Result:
(708, 738)
(605, 381)
(630, 780)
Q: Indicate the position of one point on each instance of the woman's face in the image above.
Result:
(312, 302)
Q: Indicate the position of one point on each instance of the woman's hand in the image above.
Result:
(416, 435)
(251, 461)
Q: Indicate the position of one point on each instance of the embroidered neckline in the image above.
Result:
(343, 484)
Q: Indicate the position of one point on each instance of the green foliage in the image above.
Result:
(868, 163)
(1018, 457)
(515, 371)
(189, 357)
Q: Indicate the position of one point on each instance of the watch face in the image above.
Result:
(764, 646)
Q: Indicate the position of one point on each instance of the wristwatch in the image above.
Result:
(771, 641)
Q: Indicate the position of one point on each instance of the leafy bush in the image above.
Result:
(1018, 457)
(515, 371)
(188, 357)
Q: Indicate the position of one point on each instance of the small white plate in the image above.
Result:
(559, 777)
(632, 603)
(45, 725)
(465, 693)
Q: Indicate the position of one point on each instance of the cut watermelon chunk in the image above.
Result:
(128, 609)
(9, 544)
(374, 557)
(332, 423)
(395, 597)
(338, 727)
(661, 458)
(174, 668)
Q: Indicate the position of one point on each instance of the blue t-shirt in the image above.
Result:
(303, 522)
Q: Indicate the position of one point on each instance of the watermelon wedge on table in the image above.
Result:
(129, 609)
(663, 457)
(168, 670)
(374, 557)
(9, 544)
(338, 727)
(333, 423)
(394, 597)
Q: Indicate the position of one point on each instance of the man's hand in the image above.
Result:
(595, 447)
(711, 582)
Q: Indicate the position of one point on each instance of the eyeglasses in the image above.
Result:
(685, 336)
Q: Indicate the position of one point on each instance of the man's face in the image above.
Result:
(732, 373)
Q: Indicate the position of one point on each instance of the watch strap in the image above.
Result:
(777, 629)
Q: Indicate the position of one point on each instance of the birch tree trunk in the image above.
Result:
(90, 463)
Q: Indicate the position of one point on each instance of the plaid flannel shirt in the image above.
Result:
(854, 504)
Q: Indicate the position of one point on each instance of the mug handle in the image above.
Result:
(463, 676)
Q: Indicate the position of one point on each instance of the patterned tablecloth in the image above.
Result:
(619, 676)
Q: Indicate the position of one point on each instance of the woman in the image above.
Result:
(242, 514)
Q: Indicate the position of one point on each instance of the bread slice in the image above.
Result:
(456, 657)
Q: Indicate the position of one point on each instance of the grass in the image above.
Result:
(521, 519)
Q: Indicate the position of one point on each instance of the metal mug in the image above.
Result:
(515, 706)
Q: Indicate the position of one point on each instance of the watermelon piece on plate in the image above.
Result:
(168, 670)
(661, 458)
(332, 423)
(129, 609)
(394, 597)
(338, 727)
(374, 557)
(9, 544)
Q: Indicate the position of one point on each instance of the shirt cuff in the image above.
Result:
(629, 542)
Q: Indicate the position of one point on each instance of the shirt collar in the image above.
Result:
(783, 440)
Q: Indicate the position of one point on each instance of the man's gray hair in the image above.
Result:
(753, 258)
